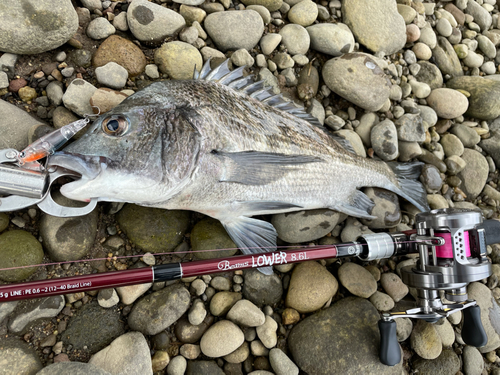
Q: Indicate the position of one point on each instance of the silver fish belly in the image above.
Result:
(225, 146)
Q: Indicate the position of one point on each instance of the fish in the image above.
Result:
(227, 147)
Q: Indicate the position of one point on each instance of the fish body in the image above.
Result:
(205, 146)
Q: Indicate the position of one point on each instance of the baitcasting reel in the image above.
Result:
(452, 247)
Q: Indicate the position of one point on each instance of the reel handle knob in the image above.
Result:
(390, 352)
(472, 329)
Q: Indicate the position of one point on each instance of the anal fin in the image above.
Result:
(252, 236)
(361, 206)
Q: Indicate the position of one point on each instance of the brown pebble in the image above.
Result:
(290, 316)
(75, 43)
(16, 84)
(57, 75)
(39, 74)
(61, 358)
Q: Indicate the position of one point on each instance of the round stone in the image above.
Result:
(303, 13)
(19, 248)
(445, 58)
(475, 173)
(386, 209)
(412, 33)
(452, 145)
(153, 229)
(447, 363)
(271, 5)
(295, 38)
(4, 221)
(430, 74)
(100, 28)
(178, 59)
(357, 78)
(404, 326)
(246, 28)
(77, 97)
(239, 355)
(150, 22)
(384, 140)
(209, 234)
(422, 51)
(221, 338)
(222, 302)
(473, 361)
(267, 332)
(382, 301)
(443, 27)
(393, 285)
(448, 103)
(311, 286)
(304, 226)
(112, 75)
(17, 357)
(36, 27)
(121, 51)
(380, 31)
(357, 280)
(262, 289)
(425, 340)
(334, 39)
(246, 313)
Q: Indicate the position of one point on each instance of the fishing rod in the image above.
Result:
(451, 243)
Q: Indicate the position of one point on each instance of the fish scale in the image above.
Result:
(202, 145)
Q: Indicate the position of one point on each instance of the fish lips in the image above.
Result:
(88, 167)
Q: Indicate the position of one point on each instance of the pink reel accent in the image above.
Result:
(446, 250)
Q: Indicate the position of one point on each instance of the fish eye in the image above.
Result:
(115, 125)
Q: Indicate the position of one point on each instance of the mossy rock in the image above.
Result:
(4, 221)
(19, 248)
(209, 234)
(153, 229)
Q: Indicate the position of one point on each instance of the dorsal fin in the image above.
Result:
(256, 90)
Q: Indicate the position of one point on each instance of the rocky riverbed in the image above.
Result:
(403, 80)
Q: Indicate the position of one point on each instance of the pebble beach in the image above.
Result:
(403, 81)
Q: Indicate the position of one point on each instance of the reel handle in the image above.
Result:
(390, 352)
(472, 329)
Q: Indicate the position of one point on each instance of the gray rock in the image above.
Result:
(431, 178)
(473, 361)
(410, 128)
(475, 173)
(127, 354)
(466, 135)
(222, 338)
(190, 2)
(404, 326)
(235, 30)
(446, 364)
(357, 280)
(304, 13)
(6, 308)
(443, 27)
(428, 115)
(481, 16)
(178, 59)
(445, 332)
(150, 22)
(490, 314)
(304, 226)
(188, 333)
(295, 38)
(353, 229)
(222, 302)
(159, 310)
(107, 298)
(263, 11)
(77, 97)
(203, 367)
(4, 80)
(241, 57)
(354, 140)
(486, 46)
(484, 100)
(490, 145)
(68, 238)
(112, 75)
(357, 78)
(281, 363)
(31, 311)
(267, 332)
(331, 38)
(73, 368)
(152, 71)
(62, 116)
(100, 28)
(220, 283)
(189, 34)
(55, 92)
(408, 150)
(446, 58)
(262, 289)
(393, 286)
(8, 63)
(384, 140)
(324, 343)
(129, 294)
(269, 42)
(15, 125)
(379, 31)
(473, 60)
(197, 313)
(209, 234)
(92, 4)
(246, 313)
(30, 28)
(382, 301)
(428, 36)
(120, 21)
(283, 60)
(19, 248)
(452, 145)
(17, 357)
(93, 327)
(448, 103)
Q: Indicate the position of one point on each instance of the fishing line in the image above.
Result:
(114, 257)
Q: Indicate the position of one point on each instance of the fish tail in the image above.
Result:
(407, 184)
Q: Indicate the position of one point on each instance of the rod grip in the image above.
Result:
(491, 231)
(472, 329)
(390, 352)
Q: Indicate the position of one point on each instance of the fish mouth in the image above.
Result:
(88, 167)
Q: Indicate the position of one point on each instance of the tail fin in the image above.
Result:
(409, 188)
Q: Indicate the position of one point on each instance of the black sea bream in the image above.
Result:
(224, 146)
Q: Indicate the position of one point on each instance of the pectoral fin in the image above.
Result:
(259, 168)
(252, 236)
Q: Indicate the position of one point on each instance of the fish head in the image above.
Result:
(140, 152)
